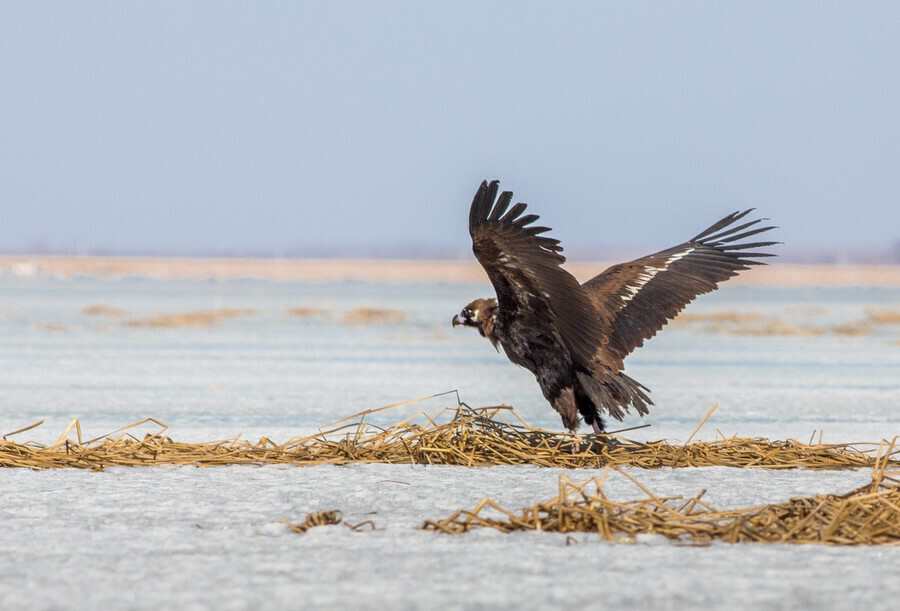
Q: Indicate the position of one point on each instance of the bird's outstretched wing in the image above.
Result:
(644, 294)
(524, 267)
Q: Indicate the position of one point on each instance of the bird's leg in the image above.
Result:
(600, 437)
(566, 406)
(576, 442)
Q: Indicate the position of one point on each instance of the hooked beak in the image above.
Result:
(455, 321)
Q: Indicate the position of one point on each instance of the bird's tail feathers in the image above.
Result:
(615, 392)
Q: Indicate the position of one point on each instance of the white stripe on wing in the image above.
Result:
(649, 272)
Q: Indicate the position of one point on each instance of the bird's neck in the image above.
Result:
(488, 328)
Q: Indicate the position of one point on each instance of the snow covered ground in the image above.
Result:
(214, 538)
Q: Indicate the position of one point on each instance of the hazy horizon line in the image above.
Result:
(434, 253)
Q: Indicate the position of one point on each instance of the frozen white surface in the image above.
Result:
(213, 539)
(195, 539)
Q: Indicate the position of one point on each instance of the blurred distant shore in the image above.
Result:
(392, 270)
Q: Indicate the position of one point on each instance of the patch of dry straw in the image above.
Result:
(753, 324)
(373, 316)
(52, 327)
(327, 518)
(869, 515)
(469, 437)
(201, 318)
(99, 309)
(722, 316)
(307, 312)
(883, 317)
(317, 518)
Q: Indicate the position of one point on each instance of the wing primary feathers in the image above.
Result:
(741, 236)
(476, 205)
(502, 204)
(728, 220)
(513, 213)
(487, 209)
(525, 220)
(752, 245)
(730, 230)
(484, 202)
(493, 187)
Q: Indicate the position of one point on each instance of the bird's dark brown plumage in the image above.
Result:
(575, 337)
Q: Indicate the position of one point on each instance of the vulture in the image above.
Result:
(574, 337)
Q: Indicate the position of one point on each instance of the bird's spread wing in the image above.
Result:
(644, 294)
(524, 267)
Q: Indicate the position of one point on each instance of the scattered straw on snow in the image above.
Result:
(469, 437)
(370, 316)
(52, 327)
(201, 318)
(318, 518)
(481, 437)
(883, 317)
(723, 316)
(106, 311)
(869, 515)
(753, 324)
(307, 312)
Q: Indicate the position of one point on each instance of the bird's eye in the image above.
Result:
(467, 313)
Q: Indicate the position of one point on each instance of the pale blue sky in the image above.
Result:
(361, 127)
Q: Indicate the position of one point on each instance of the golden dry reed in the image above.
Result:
(373, 316)
(99, 309)
(469, 437)
(307, 312)
(883, 317)
(201, 318)
(732, 322)
(869, 515)
(318, 518)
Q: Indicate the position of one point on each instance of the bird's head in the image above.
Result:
(478, 314)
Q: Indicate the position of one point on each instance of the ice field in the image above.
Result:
(214, 538)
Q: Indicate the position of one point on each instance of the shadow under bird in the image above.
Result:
(574, 337)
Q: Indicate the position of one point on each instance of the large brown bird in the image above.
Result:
(574, 337)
